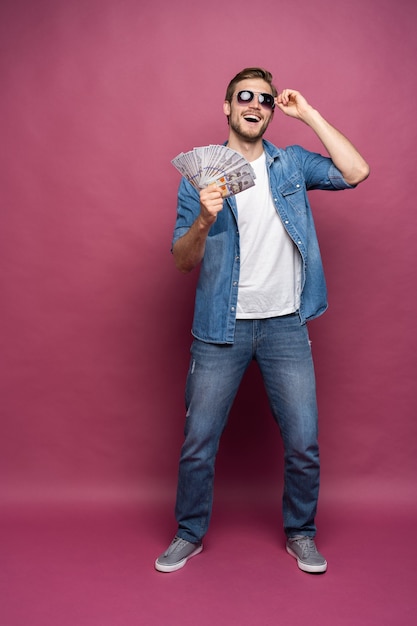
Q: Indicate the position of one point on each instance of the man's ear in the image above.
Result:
(226, 108)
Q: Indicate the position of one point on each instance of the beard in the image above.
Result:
(246, 131)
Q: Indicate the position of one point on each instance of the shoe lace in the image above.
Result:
(177, 542)
(307, 546)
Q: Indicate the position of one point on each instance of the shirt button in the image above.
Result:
(235, 283)
(233, 308)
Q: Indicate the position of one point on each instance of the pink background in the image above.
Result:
(97, 97)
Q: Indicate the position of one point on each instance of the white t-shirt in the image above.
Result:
(270, 264)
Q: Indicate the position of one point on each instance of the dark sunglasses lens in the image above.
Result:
(266, 100)
(245, 96)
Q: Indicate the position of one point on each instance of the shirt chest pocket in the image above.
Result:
(293, 192)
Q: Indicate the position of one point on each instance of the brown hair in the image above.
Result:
(250, 72)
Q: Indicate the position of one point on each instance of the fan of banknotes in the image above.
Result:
(221, 165)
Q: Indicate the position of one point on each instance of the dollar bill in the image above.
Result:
(216, 164)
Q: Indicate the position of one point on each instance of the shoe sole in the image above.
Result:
(175, 566)
(311, 569)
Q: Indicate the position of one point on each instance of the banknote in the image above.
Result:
(216, 164)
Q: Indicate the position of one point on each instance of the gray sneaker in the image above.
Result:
(177, 554)
(308, 557)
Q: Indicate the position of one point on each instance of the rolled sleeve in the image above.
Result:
(188, 209)
(336, 178)
(319, 171)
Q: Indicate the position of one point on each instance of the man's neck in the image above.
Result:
(250, 150)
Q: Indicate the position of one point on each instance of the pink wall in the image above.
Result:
(97, 97)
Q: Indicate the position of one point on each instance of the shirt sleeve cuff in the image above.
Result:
(337, 180)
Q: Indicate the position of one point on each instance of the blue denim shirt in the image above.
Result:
(292, 172)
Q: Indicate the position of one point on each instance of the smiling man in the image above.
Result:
(261, 279)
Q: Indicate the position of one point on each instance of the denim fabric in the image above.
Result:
(292, 172)
(282, 350)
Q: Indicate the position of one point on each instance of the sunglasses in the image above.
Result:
(264, 99)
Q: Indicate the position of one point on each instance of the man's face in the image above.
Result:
(249, 120)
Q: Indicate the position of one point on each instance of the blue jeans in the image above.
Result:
(282, 350)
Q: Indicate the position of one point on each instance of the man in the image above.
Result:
(261, 278)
